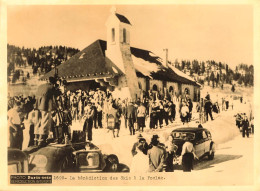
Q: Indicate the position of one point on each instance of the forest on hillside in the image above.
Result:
(216, 73)
(43, 59)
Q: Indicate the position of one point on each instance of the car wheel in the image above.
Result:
(112, 163)
(211, 155)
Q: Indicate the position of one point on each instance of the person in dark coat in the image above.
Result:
(172, 111)
(156, 156)
(208, 109)
(131, 116)
(245, 125)
(46, 103)
(88, 124)
(166, 112)
(144, 145)
(99, 114)
(154, 118)
(95, 115)
(190, 105)
(160, 113)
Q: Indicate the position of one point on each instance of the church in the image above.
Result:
(126, 71)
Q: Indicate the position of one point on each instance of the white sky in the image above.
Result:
(204, 32)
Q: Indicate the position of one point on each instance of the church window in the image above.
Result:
(113, 34)
(140, 85)
(187, 91)
(124, 35)
(170, 89)
(155, 87)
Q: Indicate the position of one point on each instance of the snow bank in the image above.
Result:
(223, 128)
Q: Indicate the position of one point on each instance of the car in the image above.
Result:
(17, 161)
(201, 140)
(79, 156)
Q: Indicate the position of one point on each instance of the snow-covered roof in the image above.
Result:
(180, 73)
(84, 65)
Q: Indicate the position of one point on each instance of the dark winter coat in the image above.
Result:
(45, 97)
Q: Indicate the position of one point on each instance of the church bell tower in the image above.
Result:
(118, 51)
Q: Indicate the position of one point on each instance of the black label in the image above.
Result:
(30, 179)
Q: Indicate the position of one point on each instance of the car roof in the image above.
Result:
(189, 129)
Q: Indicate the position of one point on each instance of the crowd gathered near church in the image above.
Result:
(52, 112)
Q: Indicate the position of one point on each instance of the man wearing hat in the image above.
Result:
(245, 125)
(131, 116)
(156, 156)
(141, 141)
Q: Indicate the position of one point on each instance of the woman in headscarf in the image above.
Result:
(188, 154)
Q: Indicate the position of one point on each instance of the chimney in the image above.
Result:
(166, 57)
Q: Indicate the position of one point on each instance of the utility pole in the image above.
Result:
(166, 59)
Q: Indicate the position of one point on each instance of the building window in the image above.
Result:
(113, 34)
(140, 85)
(170, 89)
(155, 87)
(124, 35)
(187, 91)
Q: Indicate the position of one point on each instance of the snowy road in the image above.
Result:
(233, 162)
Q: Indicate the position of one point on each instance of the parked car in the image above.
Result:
(79, 157)
(17, 161)
(202, 142)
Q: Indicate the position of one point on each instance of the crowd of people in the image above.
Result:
(52, 111)
(158, 157)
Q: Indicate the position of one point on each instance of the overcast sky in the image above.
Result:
(204, 32)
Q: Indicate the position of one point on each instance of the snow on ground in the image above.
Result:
(222, 128)
(233, 162)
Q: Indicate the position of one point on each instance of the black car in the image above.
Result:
(201, 140)
(80, 157)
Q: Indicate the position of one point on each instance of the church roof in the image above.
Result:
(91, 63)
(123, 19)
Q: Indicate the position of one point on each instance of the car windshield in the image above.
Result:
(183, 135)
(89, 160)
